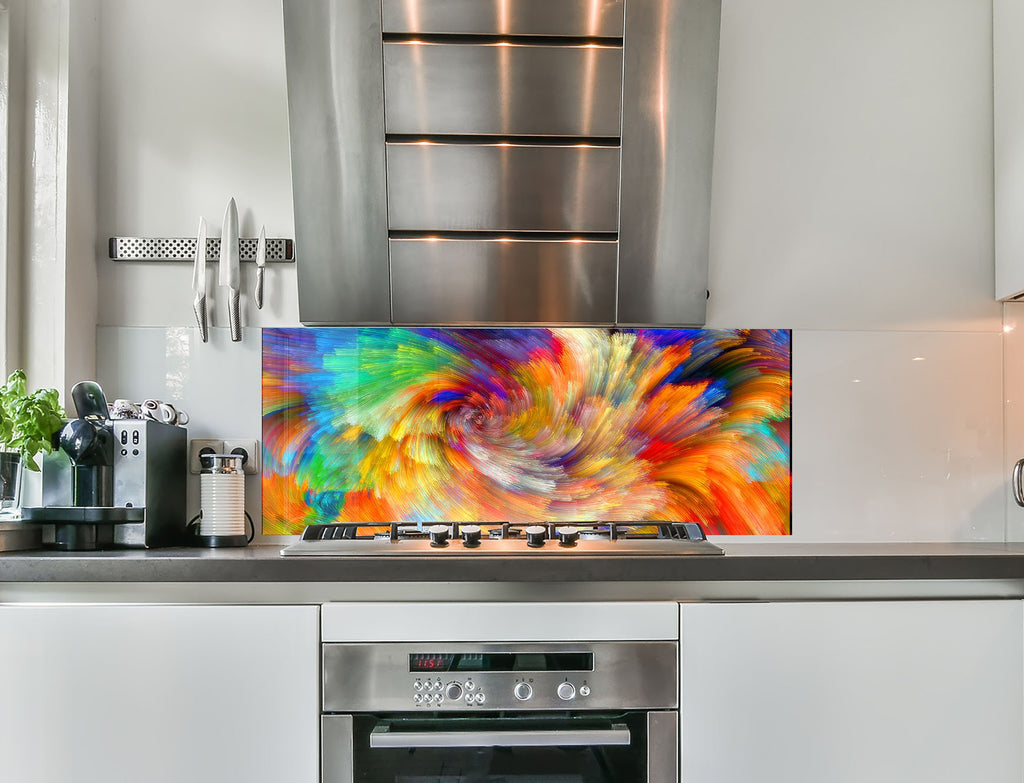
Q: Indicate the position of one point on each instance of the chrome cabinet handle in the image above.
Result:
(1018, 489)
(383, 737)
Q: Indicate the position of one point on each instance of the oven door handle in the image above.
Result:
(382, 737)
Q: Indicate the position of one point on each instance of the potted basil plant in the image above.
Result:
(28, 423)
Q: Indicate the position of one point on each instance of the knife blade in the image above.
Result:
(261, 262)
(229, 274)
(199, 282)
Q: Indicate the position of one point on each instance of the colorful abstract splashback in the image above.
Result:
(374, 425)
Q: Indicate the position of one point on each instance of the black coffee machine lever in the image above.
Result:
(90, 401)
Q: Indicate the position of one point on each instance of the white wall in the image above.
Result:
(852, 203)
(194, 112)
(49, 288)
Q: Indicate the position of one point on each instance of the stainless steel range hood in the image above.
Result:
(502, 161)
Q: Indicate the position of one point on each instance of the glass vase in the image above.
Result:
(11, 469)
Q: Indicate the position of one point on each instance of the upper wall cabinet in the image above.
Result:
(1008, 118)
(502, 161)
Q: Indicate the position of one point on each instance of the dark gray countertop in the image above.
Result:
(742, 562)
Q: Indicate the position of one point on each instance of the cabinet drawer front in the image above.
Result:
(502, 89)
(498, 187)
(474, 281)
(503, 17)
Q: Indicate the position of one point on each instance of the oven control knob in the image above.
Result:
(535, 535)
(453, 691)
(438, 535)
(471, 535)
(568, 535)
(522, 691)
(566, 691)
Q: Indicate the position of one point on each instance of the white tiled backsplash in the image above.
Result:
(1013, 428)
(896, 435)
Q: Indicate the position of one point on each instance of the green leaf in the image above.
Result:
(28, 422)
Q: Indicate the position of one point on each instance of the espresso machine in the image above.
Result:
(112, 482)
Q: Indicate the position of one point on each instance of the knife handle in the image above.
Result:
(234, 317)
(199, 306)
(258, 293)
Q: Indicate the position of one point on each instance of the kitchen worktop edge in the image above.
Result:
(742, 562)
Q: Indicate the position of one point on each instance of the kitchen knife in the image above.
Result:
(229, 275)
(199, 281)
(261, 262)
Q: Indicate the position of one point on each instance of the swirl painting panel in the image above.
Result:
(375, 425)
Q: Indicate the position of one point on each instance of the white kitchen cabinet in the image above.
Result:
(1008, 151)
(159, 694)
(852, 692)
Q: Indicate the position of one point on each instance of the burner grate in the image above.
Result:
(591, 530)
(472, 539)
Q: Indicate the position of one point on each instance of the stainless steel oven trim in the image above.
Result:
(663, 747)
(381, 736)
(375, 677)
(336, 749)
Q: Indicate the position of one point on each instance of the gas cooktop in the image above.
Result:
(503, 538)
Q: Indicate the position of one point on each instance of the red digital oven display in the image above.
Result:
(431, 662)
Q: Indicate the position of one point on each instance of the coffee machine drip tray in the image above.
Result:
(83, 527)
(87, 515)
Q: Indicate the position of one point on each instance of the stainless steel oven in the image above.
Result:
(518, 712)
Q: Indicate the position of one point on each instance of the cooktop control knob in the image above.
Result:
(566, 691)
(568, 535)
(471, 535)
(535, 535)
(453, 691)
(522, 691)
(438, 535)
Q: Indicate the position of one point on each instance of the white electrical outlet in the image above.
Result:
(250, 449)
(199, 446)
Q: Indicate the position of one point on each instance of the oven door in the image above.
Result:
(630, 747)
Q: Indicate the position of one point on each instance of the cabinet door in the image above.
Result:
(159, 694)
(887, 691)
(1008, 150)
